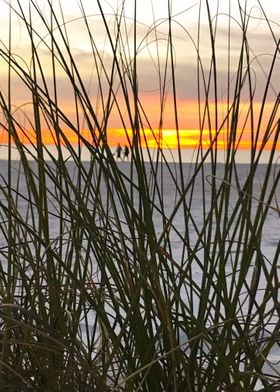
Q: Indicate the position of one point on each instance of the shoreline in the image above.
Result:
(170, 155)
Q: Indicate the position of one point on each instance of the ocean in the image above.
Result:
(168, 179)
(183, 208)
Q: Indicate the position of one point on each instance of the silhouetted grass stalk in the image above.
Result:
(104, 284)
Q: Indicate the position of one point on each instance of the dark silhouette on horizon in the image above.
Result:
(126, 152)
(118, 151)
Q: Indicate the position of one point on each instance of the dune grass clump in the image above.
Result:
(146, 275)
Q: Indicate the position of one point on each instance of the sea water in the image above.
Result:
(168, 179)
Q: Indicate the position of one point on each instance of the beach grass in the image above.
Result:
(122, 292)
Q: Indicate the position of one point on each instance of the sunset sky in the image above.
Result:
(153, 63)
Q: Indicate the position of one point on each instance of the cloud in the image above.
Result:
(153, 58)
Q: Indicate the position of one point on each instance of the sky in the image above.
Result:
(203, 102)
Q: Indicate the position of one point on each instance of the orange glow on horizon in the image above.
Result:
(166, 138)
